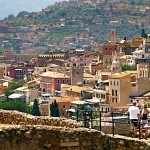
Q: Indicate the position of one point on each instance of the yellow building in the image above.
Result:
(124, 85)
(119, 89)
(143, 70)
(123, 59)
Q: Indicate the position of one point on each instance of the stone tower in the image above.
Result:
(115, 67)
(76, 75)
(112, 36)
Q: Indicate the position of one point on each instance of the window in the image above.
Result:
(81, 64)
(133, 85)
(116, 93)
(112, 92)
(97, 95)
(64, 106)
(63, 81)
(110, 82)
(117, 83)
(114, 82)
(116, 100)
(58, 81)
(102, 96)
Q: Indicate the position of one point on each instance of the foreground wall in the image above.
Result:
(59, 138)
(19, 131)
(18, 118)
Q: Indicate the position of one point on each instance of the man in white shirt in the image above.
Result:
(134, 116)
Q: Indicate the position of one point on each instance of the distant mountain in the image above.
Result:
(8, 7)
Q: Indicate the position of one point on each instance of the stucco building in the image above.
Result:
(51, 81)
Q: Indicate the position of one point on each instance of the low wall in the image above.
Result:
(18, 118)
(61, 138)
(22, 131)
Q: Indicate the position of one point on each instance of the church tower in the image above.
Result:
(76, 75)
(112, 36)
(115, 67)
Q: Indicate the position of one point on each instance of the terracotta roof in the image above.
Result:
(66, 99)
(119, 75)
(122, 74)
(54, 74)
(78, 89)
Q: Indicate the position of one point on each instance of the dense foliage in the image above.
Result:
(127, 68)
(15, 105)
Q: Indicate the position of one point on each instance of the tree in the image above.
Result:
(54, 109)
(35, 111)
(7, 92)
(127, 68)
(143, 34)
(15, 105)
(11, 87)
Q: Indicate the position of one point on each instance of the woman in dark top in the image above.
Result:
(144, 122)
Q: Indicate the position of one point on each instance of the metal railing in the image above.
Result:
(87, 118)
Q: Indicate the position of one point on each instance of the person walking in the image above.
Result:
(144, 122)
(134, 116)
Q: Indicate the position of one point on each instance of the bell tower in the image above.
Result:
(115, 67)
(112, 36)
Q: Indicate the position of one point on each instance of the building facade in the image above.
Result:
(51, 81)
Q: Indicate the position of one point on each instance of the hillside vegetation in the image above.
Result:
(89, 20)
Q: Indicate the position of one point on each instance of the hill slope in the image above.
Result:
(86, 20)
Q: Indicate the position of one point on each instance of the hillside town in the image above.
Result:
(108, 78)
(76, 76)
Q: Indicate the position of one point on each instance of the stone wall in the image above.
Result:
(18, 118)
(61, 138)
(23, 132)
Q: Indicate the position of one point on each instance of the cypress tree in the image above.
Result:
(54, 109)
(143, 34)
(35, 111)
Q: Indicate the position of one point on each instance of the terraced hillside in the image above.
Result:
(84, 19)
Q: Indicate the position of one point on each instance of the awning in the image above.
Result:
(71, 110)
(79, 102)
(16, 95)
(46, 94)
(93, 100)
(57, 91)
